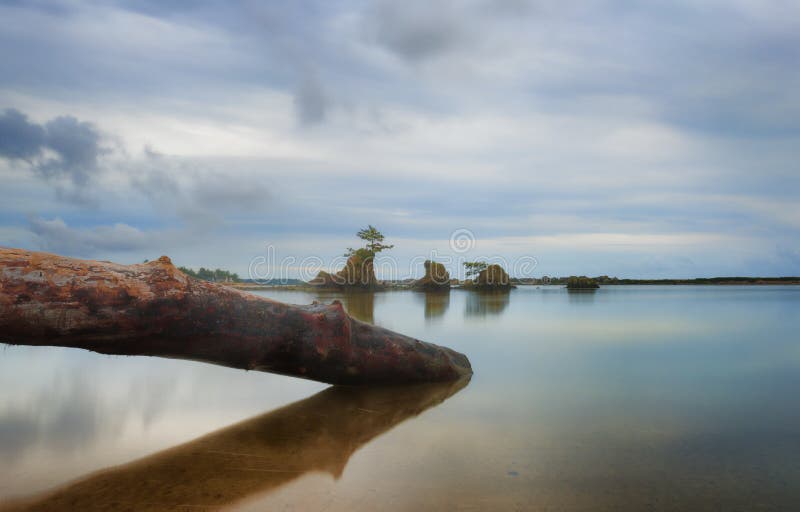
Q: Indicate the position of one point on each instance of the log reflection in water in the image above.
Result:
(257, 455)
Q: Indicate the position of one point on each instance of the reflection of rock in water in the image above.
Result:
(482, 303)
(436, 303)
(258, 455)
(361, 305)
(581, 296)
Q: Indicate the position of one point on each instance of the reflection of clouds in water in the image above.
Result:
(130, 406)
(70, 417)
(62, 418)
(70, 413)
(18, 430)
(151, 395)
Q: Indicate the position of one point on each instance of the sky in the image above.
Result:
(636, 139)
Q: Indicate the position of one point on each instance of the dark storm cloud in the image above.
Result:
(310, 101)
(19, 138)
(77, 144)
(66, 153)
(416, 31)
(61, 148)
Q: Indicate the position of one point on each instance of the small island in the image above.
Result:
(486, 276)
(436, 278)
(359, 270)
(581, 283)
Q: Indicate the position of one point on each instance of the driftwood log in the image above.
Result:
(154, 309)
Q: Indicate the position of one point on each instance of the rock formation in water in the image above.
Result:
(436, 278)
(325, 280)
(155, 309)
(490, 278)
(581, 283)
(358, 272)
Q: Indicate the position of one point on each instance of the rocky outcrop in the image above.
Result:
(324, 280)
(436, 278)
(581, 283)
(494, 276)
(358, 272)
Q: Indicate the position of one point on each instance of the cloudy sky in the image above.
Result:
(647, 139)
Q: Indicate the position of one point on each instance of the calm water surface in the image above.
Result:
(629, 398)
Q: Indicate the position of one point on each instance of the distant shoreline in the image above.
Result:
(710, 281)
(755, 281)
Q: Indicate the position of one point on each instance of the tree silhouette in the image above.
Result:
(374, 243)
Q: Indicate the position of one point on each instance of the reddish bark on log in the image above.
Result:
(154, 309)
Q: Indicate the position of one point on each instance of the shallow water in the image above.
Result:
(628, 398)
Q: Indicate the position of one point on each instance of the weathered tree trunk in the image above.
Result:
(154, 309)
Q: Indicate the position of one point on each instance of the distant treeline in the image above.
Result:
(274, 282)
(716, 280)
(581, 283)
(699, 280)
(217, 275)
